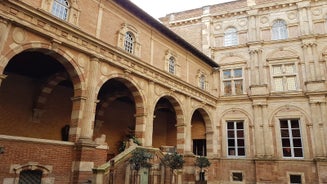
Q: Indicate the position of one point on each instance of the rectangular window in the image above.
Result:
(291, 138)
(200, 147)
(233, 81)
(235, 139)
(284, 77)
(237, 176)
(295, 179)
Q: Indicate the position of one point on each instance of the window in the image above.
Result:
(30, 176)
(279, 30)
(295, 179)
(237, 176)
(60, 9)
(235, 139)
(231, 37)
(291, 138)
(233, 81)
(171, 65)
(284, 77)
(129, 42)
(200, 147)
(202, 81)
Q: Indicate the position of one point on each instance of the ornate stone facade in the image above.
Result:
(264, 80)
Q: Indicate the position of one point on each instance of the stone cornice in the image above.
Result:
(70, 36)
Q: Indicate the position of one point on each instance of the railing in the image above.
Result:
(118, 170)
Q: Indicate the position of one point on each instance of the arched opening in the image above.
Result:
(115, 116)
(198, 134)
(35, 97)
(164, 125)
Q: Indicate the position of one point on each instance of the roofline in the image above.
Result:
(141, 14)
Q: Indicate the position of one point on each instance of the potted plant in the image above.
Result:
(140, 159)
(174, 161)
(202, 162)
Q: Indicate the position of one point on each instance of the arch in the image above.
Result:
(68, 62)
(134, 93)
(232, 58)
(70, 66)
(180, 123)
(247, 114)
(279, 29)
(206, 117)
(230, 36)
(209, 134)
(236, 115)
(46, 169)
(282, 53)
(288, 108)
(289, 113)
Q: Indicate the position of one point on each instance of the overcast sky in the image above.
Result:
(160, 8)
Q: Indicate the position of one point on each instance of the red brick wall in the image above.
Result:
(17, 96)
(60, 157)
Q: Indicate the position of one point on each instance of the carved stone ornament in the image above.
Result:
(19, 35)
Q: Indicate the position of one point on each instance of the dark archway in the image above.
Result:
(115, 114)
(164, 124)
(35, 97)
(198, 134)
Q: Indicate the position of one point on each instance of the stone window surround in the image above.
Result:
(125, 28)
(242, 66)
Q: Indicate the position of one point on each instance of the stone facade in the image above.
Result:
(266, 76)
(78, 79)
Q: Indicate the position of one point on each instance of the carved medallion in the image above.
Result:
(19, 35)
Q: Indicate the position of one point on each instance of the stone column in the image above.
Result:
(90, 102)
(148, 126)
(188, 129)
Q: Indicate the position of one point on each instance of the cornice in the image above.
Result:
(70, 36)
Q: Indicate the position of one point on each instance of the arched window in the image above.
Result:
(30, 176)
(60, 9)
(202, 81)
(279, 30)
(231, 37)
(171, 65)
(129, 42)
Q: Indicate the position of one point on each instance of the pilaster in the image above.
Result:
(90, 102)
(262, 132)
(318, 111)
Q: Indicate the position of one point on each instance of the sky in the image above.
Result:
(160, 8)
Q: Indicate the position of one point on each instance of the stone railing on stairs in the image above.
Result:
(118, 170)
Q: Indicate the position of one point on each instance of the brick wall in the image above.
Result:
(60, 157)
(17, 98)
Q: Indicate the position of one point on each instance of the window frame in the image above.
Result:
(236, 139)
(60, 9)
(279, 30)
(231, 37)
(129, 42)
(295, 174)
(172, 65)
(232, 80)
(291, 139)
(284, 77)
(36, 173)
